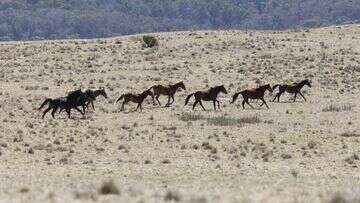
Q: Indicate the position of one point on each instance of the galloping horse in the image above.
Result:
(73, 100)
(257, 93)
(92, 94)
(209, 95)
(136, 98)
(78, 98)
(167, 90)
(293, 89)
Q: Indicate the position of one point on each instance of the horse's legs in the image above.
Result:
(277, 96)
(202, 105)
(243, 104)
(47, 110)
(54, 111)
(87, 104)
(196, 101)
(173, 100)
(139, 106)
(83, 109)
(218, 103)
(247, 101)
(79, 110)
(168, 102)
(302, 96)
(123, 106)
(92, 104)
(295, 97)
(157, 99)
(214, 104)
(68, 111)
(264, 102)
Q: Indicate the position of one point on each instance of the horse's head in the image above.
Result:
(307, 82)
(182, 85)
(268, 87)
(148, 92)
(222, 89)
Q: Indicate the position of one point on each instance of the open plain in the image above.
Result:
(293, 152)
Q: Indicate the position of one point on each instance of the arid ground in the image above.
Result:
(293, 152)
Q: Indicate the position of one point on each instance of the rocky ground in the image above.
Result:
(292, 152)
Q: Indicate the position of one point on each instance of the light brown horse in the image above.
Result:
(256, 93)
(136, 98)
(210, 95)
(167, 90)
(92, 94)
(292, 89)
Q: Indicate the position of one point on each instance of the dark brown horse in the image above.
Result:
(92, 94)
(256, 93)
(210, 95)
(167, 90)
(292, 89)
(136, 98)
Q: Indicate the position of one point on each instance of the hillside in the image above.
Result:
(59, 19)
(302, 151)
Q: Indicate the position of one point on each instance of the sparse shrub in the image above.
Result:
(109, 188)
(338, 198)
(150, 41)
(172, 196)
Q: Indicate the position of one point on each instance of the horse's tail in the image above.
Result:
(120, 98)
(275, 86)
(235, 96)
(188, 98)
(45, 102)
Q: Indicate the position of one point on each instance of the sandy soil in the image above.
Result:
(293, 152)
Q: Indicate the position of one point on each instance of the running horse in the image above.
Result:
(92, 94)
(169, 90)
(256, 93)
(210, 95)
(71, 101)
(292, 89)
(136, 98)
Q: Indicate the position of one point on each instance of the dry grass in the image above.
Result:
(338, 108)
(191, 151)
(227, 121)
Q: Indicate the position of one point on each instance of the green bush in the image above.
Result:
(150, 41)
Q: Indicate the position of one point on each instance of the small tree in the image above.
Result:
(150, 41)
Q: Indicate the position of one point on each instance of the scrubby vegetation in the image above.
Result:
(50, 19)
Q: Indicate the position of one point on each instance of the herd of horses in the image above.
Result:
(78, 98)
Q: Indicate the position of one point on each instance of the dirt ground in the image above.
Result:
(293, 152)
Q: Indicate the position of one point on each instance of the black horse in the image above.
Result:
(71, 101)
(77, 99)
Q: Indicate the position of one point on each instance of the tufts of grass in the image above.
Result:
(226, 121)
(220, 120)
(349, 134)
(334, 108)
(191, 117)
